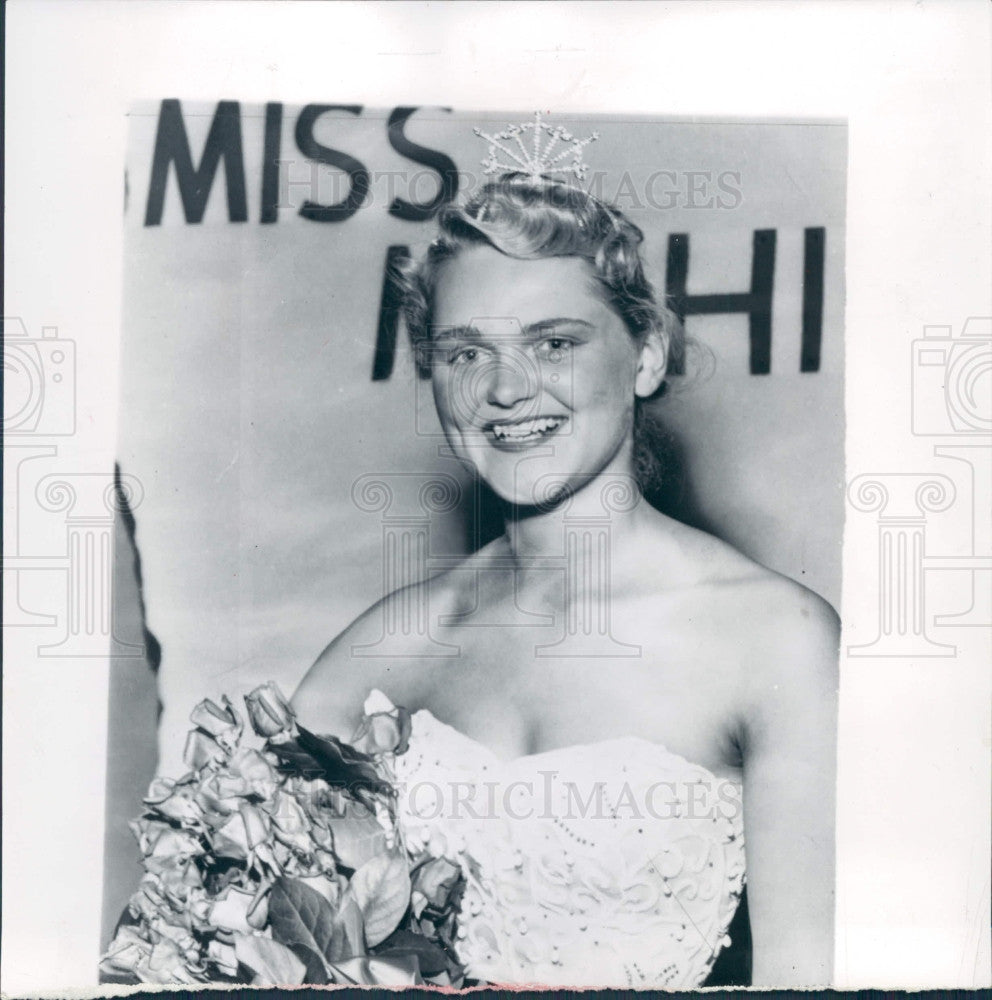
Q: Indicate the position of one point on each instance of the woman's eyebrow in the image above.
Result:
(538, 328)
(542, 326)
(457, 333)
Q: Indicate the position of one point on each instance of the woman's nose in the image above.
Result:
(511, 379)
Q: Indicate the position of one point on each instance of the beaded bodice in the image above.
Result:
(615, 864)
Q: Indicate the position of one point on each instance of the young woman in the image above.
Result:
(632, 700)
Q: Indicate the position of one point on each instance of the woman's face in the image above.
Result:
(534, 375)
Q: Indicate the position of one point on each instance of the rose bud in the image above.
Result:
(178, 845)
(177, 880)
(215, 800)
(286, 857)
(146, 831)
(320, 834)
(435, 880)
(172, 886)
(269, 711)
(258, 912)
(230, 783)
(265, 862)
(384, 734)
(181, 807)
(256, 824)
(257, 774)
(224, 957)
(325, 862)
(221, 722)
(128, 952)
(231, 840)
(231, 912)
(385, 728)
(159, 790)
(201, 750)
(178, 934)
(199, 905)
(376, 703)
(147, 902)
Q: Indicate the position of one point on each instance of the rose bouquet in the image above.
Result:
(282, 863)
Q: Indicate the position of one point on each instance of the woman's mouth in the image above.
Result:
(522, 433)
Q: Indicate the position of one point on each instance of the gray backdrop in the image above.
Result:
(249, 409)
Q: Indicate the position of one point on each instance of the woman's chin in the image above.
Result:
(544, 493)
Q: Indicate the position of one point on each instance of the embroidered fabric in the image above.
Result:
(614, 864)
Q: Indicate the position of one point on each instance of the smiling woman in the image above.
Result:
(574, 237)
(599, 645)
(511, 381)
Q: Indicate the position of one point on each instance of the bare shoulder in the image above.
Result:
(787, 642)
(781, 631)
(388, 647)
(330, 696)
(379, 650)
(795, 635)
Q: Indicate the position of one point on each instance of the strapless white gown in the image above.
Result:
(614, 864)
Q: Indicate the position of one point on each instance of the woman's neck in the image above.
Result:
(611, 505)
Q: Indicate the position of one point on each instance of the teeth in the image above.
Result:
(527, 428)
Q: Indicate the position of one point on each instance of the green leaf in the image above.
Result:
(348, 938)
(303, 921)
(431, 957)
(316, 973)
(273, 963)
(110, 976)
(440, 882)
(329, 758)
(382, 889)
(368, 971)
(357, 839)
(406, 727)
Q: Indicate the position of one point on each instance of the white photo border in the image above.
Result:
(911, 79)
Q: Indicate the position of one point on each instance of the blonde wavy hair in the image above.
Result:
(534, 219)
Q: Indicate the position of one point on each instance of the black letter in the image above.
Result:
(313, 150)
(270, 163)
(812, 299)
(757, 303)
(409, 211)
(389, 314)
(172, 146)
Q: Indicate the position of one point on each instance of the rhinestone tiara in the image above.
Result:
(537, 157)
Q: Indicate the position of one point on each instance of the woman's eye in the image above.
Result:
(464, 356)
(555, 348)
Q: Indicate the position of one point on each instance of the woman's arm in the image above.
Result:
(329, 699)
(325, 700)
(789, 791)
